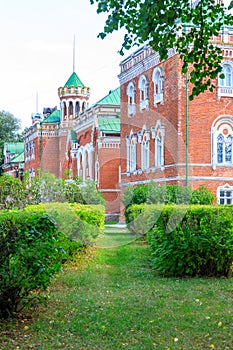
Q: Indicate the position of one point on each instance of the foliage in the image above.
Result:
(81, 223)
(193, 241)
(72, 192)
(46, 188)
(202, 196)
(114, 299)
(140, 218)
(166, 194)
(163, 25)
(28, 258)
(13, 193)
(9, 127)
(90, 194)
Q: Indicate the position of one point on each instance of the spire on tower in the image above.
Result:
(74, 55)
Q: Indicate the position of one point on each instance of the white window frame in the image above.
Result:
(223, 127)
(158, 80)
(143, 91)
(225, 194)
(131, 150)
(225, 87)
(131, 93)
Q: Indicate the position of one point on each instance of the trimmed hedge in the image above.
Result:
(192, 240)
(29, 258)
(34, 242)
(80, 222)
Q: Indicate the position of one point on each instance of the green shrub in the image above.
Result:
(140, 218)
(202, 196)
(166, 194)
(193, 240)
(13, 193)
(29, 258)
(79, 222)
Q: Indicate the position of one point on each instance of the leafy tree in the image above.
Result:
(163, 25)
(9, 130)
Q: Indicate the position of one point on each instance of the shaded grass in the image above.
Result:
(112, 299)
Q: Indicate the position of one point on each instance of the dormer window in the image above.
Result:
(143, 89)
(131, 92)
(158, 80)
(225, 80)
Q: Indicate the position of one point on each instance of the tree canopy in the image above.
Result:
(185, 25)
(9, 130)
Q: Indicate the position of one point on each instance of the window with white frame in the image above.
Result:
(158, 80)
(145, 147)
(222, 141)
(143, 90)
(225, 79)
(225, 194)
(158, 134)
(131, 147)
(131, 93)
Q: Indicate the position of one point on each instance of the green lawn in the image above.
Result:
(112, 299)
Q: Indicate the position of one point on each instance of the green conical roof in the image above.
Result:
(74, 81)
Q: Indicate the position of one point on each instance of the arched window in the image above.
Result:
(143, 90)
(225, 80)
(158, 80)
(145, 149)
(77, 108)
(222, 141)
(70, 109)
(225, 194)
(131, 92)
(131, 148)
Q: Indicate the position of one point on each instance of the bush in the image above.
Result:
(13, 193)
(166, 194)
(140, 218)
(79, 222)
(202, 196)
(193, 240)
(29, 258)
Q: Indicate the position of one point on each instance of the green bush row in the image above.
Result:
(166, 194)
(29, 258)
(78, 221)
(34, 242)
(194, 240)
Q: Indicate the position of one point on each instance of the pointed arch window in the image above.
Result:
(224, 149)
(143, 91)
(145, 149)
(222, 141)
(158, 80)
(225, 80)
(131, 148)
(131, 93)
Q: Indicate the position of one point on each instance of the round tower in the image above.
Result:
(74, 98)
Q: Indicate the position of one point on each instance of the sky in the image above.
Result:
(36, 55)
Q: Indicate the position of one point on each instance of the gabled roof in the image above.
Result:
(109, 125)
(113, 98)
(14, 147)
(74, 81)
(53, 117)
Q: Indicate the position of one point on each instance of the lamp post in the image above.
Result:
(41, 145)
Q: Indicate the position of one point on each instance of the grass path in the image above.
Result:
(112, 299)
